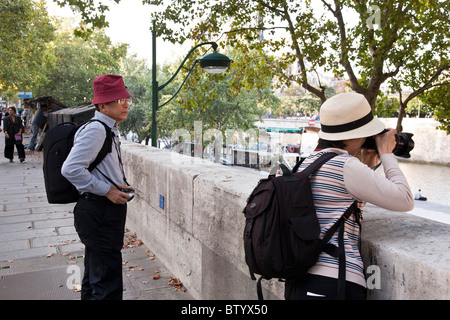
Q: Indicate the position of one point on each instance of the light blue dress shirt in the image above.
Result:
(88, 141)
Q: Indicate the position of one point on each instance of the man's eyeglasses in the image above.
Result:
(122, 101)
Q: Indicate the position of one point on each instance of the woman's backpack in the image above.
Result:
(281, 235)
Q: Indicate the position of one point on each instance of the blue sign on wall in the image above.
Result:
(161, 201)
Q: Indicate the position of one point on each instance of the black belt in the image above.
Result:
(90, 196)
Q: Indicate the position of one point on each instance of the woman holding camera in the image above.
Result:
(346, 122)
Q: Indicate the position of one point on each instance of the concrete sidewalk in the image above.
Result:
(41, 256)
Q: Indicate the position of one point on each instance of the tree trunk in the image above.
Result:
(401, 115)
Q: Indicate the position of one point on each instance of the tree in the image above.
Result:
(25, 31)
(218, 101)
(76, 62)
(371, 44)
(92, 15)
(410, 37)
(137, 76)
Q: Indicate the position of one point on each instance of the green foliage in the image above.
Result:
(404, 41)
(92, 14)
(25, 31)
(218, 101)
(225, 112)
(385, 106)
(76, 62)
(439, 99)
(137, 77)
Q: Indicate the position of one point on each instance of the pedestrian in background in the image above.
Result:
(37, 123)
(13, 128)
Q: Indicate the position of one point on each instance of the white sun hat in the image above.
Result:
(348, 116)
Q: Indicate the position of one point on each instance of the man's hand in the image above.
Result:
(116, 196)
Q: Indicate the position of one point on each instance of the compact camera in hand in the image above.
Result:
(130, 192)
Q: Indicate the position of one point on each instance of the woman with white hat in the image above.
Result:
(346, 121)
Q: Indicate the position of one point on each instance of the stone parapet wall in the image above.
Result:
(189, 213)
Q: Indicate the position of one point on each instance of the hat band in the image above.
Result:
(348, 126)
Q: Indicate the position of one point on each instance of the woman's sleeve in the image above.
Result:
(390, 191)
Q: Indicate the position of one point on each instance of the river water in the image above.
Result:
(432, 179)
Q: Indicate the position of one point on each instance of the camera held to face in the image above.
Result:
(404, 144)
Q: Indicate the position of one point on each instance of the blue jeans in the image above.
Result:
(34, 133)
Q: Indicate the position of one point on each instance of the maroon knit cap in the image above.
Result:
(109, 87)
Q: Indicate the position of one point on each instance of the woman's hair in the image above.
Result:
(323, 144)
(14, 108)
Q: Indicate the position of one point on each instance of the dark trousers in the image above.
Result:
(9, 150)
(314, 287)
(100, 225)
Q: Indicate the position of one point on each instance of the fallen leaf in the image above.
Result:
(131, 241)
(177, 284)
(50, 255)
(157, 277)
(150, 255)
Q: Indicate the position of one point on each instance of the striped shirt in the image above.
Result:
(331, 200)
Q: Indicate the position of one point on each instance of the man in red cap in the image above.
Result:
(100, 212)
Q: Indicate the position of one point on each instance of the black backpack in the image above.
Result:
(281, 235)
(57, 145)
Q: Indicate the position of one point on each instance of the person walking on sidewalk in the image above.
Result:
(37, 123)
(13, 128)
(100, 212)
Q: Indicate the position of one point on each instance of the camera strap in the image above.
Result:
(377, 166)
(113, 183)
(121, 165)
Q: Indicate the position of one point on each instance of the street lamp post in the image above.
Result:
(212, 63)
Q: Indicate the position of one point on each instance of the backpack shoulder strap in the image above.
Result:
(107, 144)
(318, 163)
